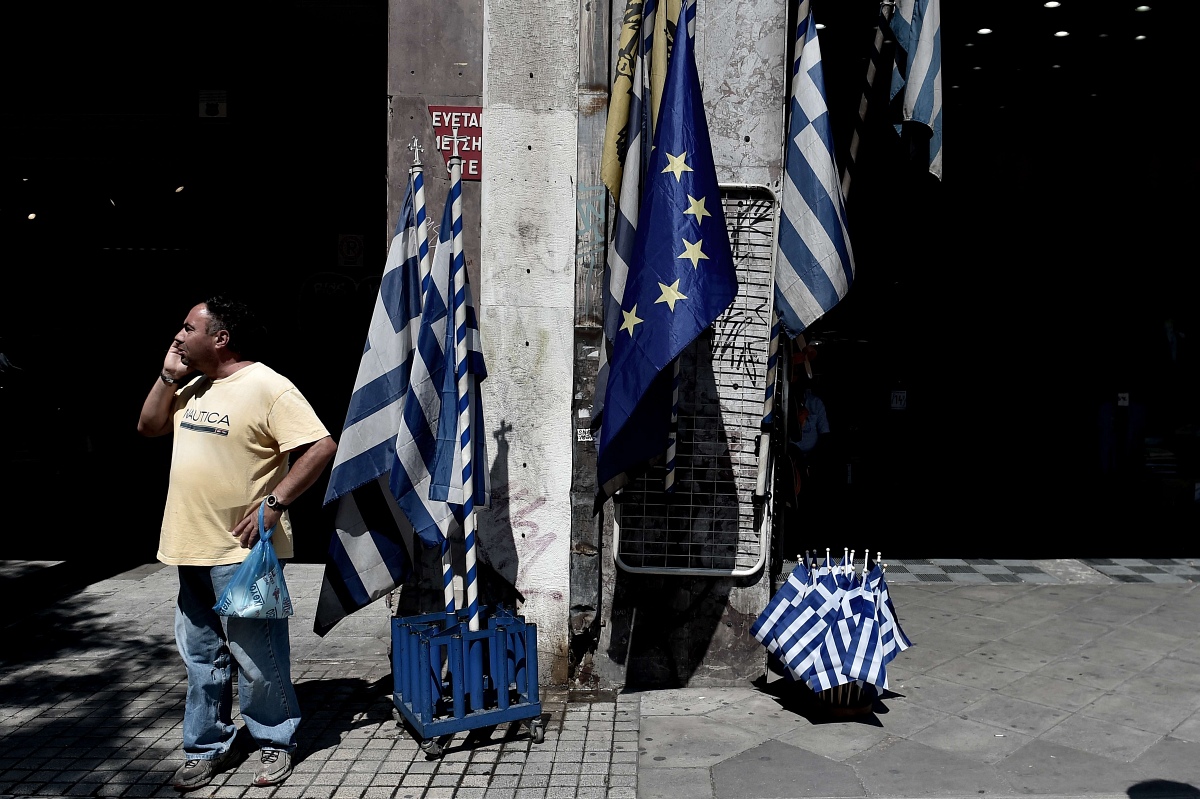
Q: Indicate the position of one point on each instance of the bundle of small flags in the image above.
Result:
(834, 629)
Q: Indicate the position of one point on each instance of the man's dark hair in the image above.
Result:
(246, 334)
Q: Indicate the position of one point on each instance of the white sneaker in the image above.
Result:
(273, 768)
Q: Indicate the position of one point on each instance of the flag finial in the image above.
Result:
(417, 149)
(454, 139)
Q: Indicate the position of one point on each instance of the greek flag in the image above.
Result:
(917, 76)
(448, 482)
(865, 652)
(789, 595)
(802, 628)
(827, 666)
(892, 639)
(681, 276)
(814, 264)
(370, 551)
(460, 432)
(427, 476)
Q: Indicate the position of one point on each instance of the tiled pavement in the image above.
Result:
(987, 570)
(92, 693)
(1079, 680)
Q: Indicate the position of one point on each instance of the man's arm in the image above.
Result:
(308, 461)
(155, 419)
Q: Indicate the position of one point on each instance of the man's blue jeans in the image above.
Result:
(211, 645)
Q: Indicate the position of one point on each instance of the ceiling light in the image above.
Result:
(820, 26)
(1052, 4)
(1061, 34)
(984, 30)
(179, 189)
(1143, 8)
(1139, 37)
(32, 216)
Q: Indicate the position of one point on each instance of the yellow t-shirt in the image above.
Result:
(230, 450)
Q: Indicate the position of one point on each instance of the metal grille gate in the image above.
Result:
(711, 525)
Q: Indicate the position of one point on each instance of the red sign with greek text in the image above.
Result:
(463, 124)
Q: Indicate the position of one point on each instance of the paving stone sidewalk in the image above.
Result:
(92, 696)
(1081, 683)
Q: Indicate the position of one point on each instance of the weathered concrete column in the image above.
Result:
(527, 296)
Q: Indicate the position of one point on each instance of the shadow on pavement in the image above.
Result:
(1163, 789)
(95, 689)
(334, 708)
(851, 707)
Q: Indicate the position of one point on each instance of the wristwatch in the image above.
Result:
(166, 378)
(274, 504)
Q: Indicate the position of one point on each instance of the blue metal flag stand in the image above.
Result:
(458, 670)
(448, 678)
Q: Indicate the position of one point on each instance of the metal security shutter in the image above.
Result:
(711, 525)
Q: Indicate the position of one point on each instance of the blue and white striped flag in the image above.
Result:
(427, 476)
(814, 265)
(789, 595)
(892, 639)
(802, 628)
(370, 551)
(826, 668)
(448, 483)
(461, 438)
(917, 27)
(865, 652)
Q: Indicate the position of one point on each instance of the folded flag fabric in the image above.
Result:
(425, 443)
(790, 594)
(831, 627)
(370, 550)
(803, 628)
(814, 263)
(826, 669)
(865, 653)
(370, 555)
(917, 76)
(891, 636)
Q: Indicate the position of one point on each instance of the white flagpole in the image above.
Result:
(464, 404)
(418, 174)
(418, 177)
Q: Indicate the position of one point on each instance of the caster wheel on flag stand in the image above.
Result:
(431, 748)
(537, 730)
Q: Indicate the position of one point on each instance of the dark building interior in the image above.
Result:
(1037, 308)
(107, 116)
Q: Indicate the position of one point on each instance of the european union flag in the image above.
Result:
(681, 276)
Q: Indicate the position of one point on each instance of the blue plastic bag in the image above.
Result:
(257, 590)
